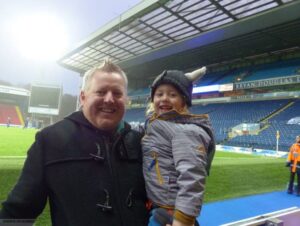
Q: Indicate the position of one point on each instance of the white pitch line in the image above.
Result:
(232, 158)
(12, 157)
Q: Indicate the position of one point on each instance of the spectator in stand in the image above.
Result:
(293, 161)
(89, 165)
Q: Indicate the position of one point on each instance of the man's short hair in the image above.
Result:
(106, 66)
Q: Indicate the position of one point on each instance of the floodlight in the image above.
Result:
(41, 36)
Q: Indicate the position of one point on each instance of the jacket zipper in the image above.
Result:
(159, 177)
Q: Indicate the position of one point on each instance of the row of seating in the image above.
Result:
(9, 114)
(225, 116)
(250, 73)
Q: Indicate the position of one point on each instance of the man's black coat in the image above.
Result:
(90, 177)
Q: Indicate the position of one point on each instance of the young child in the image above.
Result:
(293, 161)
(178, 148)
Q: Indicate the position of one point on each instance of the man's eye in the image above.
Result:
(118, 94)
(101, 93)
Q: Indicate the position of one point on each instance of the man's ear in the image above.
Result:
(82, 98)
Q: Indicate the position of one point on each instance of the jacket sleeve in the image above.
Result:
(190, 159)
(289, 155)
(28, 198)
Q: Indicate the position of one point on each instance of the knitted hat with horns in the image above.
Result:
(182, 82)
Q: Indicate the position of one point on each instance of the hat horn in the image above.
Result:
(196, 75)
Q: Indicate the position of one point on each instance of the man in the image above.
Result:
(293, 161)
(8, 122)
(88, 165)
(26, 123)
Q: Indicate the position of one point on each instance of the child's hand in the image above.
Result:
(178, 223)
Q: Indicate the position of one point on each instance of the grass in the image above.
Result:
(14, 144)
(236, 175)
(15, 141)
(232, 174)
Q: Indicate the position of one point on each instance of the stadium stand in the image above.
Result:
(257, 64)
(224, 116)
(267, 138)
(269, 114)
(13, 112)
(277, 69)
(13, 104)
(135, 115)
(281, 68)
(139, 92)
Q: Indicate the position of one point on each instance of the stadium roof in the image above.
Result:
(159, 34)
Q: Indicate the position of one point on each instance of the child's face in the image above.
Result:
(167, 98)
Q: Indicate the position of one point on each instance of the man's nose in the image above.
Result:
(109, 97)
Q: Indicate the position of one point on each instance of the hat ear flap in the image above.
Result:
(196, 75)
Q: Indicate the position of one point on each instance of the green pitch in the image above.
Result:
(15, 141)
(232, 175)
(235, 175)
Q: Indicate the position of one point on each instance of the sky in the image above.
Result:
(79, 18)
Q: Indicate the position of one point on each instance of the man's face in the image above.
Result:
(103, 104)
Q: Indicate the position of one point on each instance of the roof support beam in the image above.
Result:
(279, 2)
(181, 18)
(223, 9)
(158, 31)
